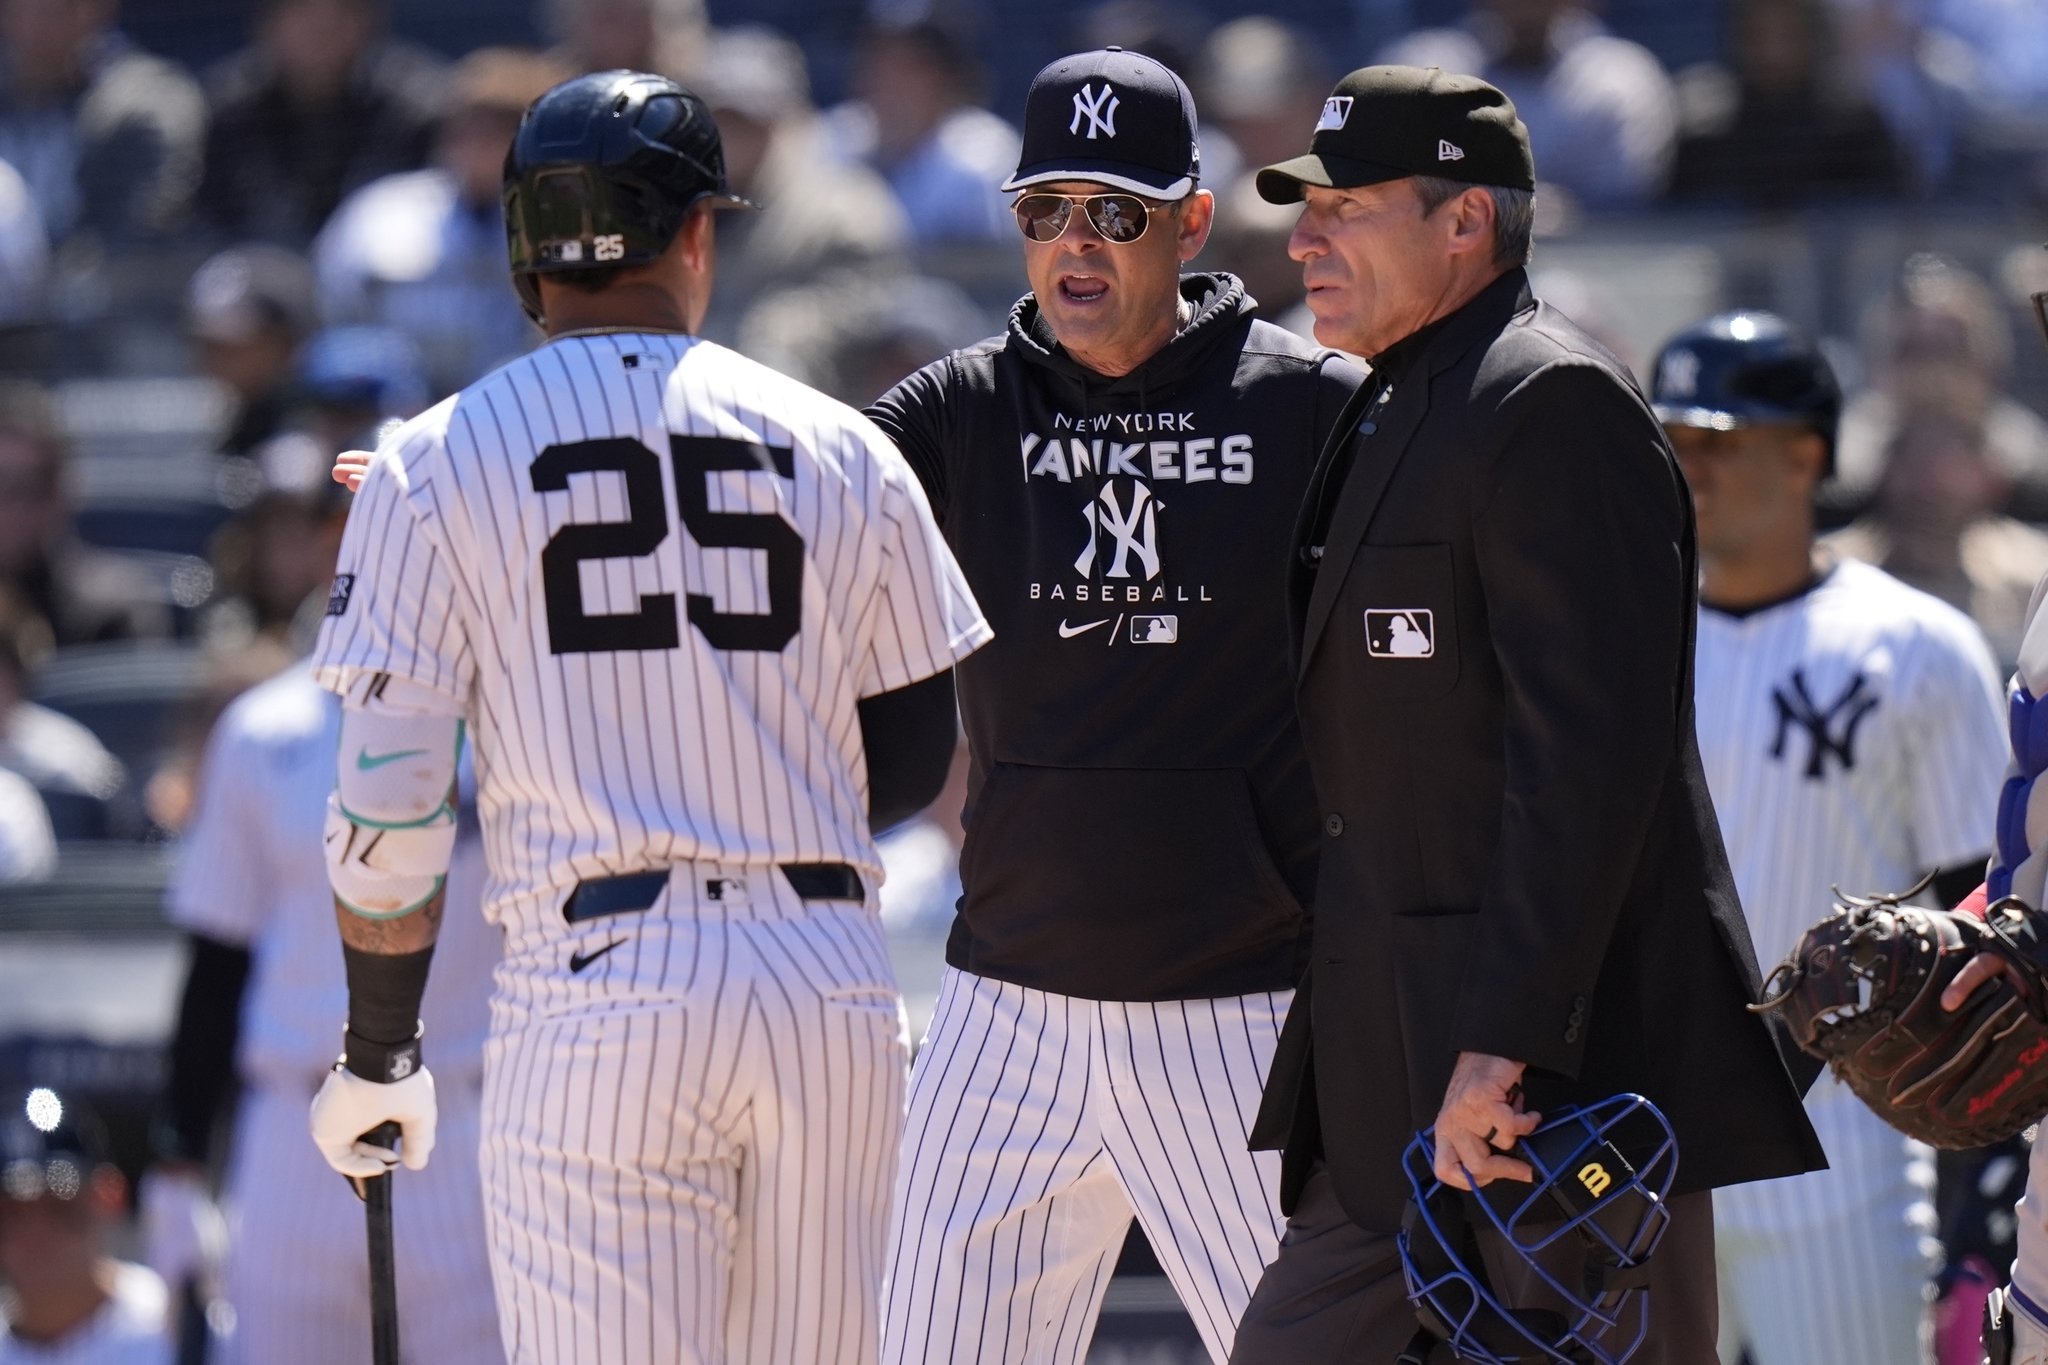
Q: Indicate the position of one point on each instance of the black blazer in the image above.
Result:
(1520, 855)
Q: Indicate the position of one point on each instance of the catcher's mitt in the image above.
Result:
(1862, 992)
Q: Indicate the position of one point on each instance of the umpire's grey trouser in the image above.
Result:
(1334, 1294)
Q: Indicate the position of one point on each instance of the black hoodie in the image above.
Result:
(1140, 821)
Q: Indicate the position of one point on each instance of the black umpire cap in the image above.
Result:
(1114, 117)
(1390, 122)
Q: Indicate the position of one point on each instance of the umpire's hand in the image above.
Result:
(1482, 1117)
(349, 1106)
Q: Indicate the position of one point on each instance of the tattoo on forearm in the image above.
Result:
(406, 934)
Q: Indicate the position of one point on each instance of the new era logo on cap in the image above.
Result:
(1336, 110)
(1449, 151)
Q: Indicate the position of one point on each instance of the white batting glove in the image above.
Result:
(184, 1236)
(349, 1106)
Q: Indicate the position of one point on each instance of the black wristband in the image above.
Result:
(384, 991)
(381, 1062)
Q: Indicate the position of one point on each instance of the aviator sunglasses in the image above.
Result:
(1118, 218)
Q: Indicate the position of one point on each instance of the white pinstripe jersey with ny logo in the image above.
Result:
(657, 577)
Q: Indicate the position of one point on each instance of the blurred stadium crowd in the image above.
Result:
(215, 274)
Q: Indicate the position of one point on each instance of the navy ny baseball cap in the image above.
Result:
(1114, 117)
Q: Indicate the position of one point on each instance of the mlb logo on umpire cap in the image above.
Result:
(1113, 118)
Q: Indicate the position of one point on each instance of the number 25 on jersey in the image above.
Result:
(646, 526)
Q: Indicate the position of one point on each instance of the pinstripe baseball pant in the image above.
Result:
(702, 1179)
(298, 1270)
(1039, 1125)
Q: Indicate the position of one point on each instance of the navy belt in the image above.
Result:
(636, 891)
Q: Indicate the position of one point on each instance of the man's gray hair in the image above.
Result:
(1514, 214)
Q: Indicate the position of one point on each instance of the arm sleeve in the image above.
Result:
(1959, 747)
(1582, 559)
(912, 415)
(909, 735)
(203, 1050)
(396, 606)
(922, 618)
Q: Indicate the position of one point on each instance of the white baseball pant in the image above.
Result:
(1039, 1125)
(702, 1179)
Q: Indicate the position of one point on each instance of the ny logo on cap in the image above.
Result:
(1679, 375)
(1336, 110)
(1098, 109)
(1449, 151)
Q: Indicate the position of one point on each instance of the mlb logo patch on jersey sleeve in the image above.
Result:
(1400, 633)
(338, 595)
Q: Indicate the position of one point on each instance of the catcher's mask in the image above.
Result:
(1602, 1175)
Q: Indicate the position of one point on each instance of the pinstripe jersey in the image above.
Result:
(657, 577)
(1852, 737)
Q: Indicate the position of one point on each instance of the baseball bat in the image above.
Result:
(375, 1192)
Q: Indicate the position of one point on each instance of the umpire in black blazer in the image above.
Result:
(1522, 881)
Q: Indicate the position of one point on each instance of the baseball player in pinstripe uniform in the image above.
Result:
(702, 626)
(1851, 734)
(1120, 475)
(252, 891)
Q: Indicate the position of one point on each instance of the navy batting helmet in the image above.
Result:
(1739, 369)
(1602, 1176)
(602, 172)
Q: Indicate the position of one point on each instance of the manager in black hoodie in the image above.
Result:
(1119, 476)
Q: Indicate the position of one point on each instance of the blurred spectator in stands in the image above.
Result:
(249, 309)
(1171, 34)
(1940, 331)
(1908, 73)
(1785, 123)
(28, 853)
(320, 105)
(1260, 84)
(276, 561)
(914, 119)
(1601, 112)
(65, 763)
(817, 212)
(107, 136)
(663, 36)
(1938, 524)
(856, 334)
(86, 594)
(61, 1205)
(1250, 241)
(24, 251)
(424, 251)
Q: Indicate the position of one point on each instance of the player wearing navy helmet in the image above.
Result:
(701, 626)
(1851, 735)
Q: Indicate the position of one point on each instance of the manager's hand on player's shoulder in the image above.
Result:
(1482, 1117)
(350, 466)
